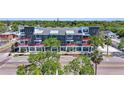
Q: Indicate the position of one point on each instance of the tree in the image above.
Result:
(96, 58)
(41, 63)
(52, 42)
(21, 70)
(97, 41)
(121, 44)
(81, 65)
(87, 67)
(108, 42)
(50, 67)
(73, 66)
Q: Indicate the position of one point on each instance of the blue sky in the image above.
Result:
(68, 19)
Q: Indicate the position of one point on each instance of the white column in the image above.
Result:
(29, 49)
(81, 49)
(35, 49)
(19, 49)
(66, 48)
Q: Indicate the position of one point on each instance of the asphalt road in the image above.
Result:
(111, 66)
(8, 67)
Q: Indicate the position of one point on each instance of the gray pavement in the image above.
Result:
(111, 66)
(9, 66)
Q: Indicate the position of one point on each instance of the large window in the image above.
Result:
(78, 48)
(39, 49)
(85, 30)
(90, 49)
(54, 49)
(37, 36)
(85, 48)
(63, 48)
(32, 49)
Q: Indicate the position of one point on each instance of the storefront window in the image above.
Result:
(54, 49)
(63, 48)
(78, 48)
(85, 48)
(32, 49)
(38, 49)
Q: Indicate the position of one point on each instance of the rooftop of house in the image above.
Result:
(108, 32)
(10, 33)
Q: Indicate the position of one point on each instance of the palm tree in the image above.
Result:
(81, 65)
(41, 63)
(96, 59)
(52, 42)
(108, 42)
(73, 66)
(86, 67)
(97, 41)
(121, 44)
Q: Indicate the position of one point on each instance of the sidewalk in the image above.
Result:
(3, 56)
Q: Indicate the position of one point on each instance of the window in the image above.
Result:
(79, 31)
(37, 36)
(78, 48)
(37, 42)
(32, 49)
(63, 48)
(85, 48)
(22, 42)
(89, 49)
(38, 49)
(85, 30)
(54, 49)
(84, 42)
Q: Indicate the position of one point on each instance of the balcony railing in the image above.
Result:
(23, 45)
(86, 45)
(86, 39)
(24, 39)
(71, 44)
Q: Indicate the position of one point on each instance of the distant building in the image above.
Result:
(8, 35)
(72, 39)
(110, 34)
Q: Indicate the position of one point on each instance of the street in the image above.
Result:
(111, 66)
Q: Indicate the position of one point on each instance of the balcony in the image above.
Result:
(71, 44)
(86, 39)
(23, 39)
(23, 45)
(86, 45)
(37, 45)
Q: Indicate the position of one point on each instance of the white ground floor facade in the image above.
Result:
(81, 49)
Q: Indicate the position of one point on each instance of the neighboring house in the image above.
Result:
(110, 34)
(8, 35)
(75, 39)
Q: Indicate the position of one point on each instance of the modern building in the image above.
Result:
(75, 39)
